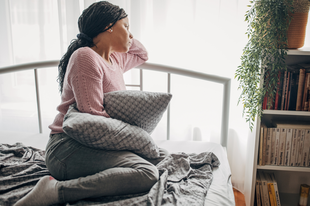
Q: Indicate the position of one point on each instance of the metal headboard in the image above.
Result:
(226, 82)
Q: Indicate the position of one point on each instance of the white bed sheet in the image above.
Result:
(221, 190)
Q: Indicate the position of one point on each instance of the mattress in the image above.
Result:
(221, 190)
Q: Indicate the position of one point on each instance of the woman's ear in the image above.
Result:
(110, 29)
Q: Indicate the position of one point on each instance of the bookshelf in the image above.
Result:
(288, 178)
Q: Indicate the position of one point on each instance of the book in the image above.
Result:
(265, 193)
(307, 104)
(265, 101)
(271, 191)
(303, 195)
(278, 90)
(261, 191)
(282, 143)
(305, 153)
(277, 147)
(276, 191)
(273, 146)
(258, 186)
(283, 90)
(304, 106)
(265, 145)
(301, 136)
(268, 147)
(301, 81)
(293, 148)
(268, 101)
(287, 155)
(293, 90)
(298, 137)
(261, 139)
(287, 90)
(306, 101)
(309, 159)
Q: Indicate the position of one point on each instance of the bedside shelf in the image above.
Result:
(284, 168)
(286, 112)
(301, 51)
(272, 117)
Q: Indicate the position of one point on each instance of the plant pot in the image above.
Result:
(297, 30)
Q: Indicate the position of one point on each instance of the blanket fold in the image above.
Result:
(184, 178)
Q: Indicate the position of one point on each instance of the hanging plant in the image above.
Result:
(264, 54)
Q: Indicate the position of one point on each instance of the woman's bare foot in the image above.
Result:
(44, 193)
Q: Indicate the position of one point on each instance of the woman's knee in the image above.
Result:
(155, 174)
(151, 173)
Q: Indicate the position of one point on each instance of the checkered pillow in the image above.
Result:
(108, 133)
(139, 108)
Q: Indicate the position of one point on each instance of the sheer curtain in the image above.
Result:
(202, 35)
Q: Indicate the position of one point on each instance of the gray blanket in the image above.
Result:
(184, 178)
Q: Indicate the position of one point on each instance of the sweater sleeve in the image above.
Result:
(86, 84)
(136, 56)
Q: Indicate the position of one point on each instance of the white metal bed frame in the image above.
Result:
(226, 82)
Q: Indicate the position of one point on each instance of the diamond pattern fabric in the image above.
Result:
(134, 115)
(140, 108)
(108, 134)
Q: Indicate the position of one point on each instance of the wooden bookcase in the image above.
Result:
(288, 178)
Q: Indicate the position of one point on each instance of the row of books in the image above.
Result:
(267, 193)
(292, 91)
(285, 145)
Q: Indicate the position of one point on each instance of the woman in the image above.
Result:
(93, 65)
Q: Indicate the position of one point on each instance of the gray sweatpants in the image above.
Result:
(84, 172)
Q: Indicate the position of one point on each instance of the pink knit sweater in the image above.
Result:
(89, 76)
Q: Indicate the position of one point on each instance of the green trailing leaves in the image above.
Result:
(264, 54)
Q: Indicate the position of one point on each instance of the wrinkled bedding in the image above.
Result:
(184, 178)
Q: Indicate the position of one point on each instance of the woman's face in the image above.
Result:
(121, 36)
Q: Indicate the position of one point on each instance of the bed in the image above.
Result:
(197, 171)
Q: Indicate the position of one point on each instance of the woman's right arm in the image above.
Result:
(136, 56)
